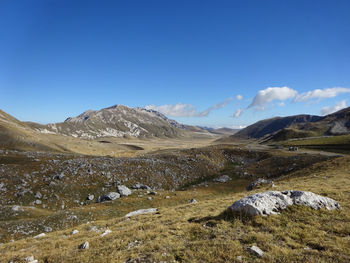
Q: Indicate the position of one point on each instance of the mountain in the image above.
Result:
(121, 122)
(298, 126)
(116, 121)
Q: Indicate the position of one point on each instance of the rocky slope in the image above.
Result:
(116, 121)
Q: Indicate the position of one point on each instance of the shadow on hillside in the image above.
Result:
(211, 221)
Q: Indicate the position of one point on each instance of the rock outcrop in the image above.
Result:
(271, 202)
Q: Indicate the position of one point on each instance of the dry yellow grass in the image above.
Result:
(183, 232)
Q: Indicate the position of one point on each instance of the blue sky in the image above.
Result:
(186, 58)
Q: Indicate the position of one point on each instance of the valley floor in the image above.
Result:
(191, 232)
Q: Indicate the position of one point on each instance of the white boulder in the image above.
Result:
(271, 202)
(123, 190)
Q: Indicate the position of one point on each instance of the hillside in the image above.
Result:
(298, 126)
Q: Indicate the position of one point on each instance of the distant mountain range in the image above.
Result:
(298, 126)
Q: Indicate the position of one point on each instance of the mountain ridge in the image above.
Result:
(298, 126)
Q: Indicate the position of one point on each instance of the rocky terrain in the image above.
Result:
(42, 185)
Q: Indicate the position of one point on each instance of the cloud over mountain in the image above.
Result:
(330, 109)
(186, 110)
(263, 97)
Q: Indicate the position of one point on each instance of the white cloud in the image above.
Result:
(239, 97)
(321, 93)
(186, 110)
(330, 109)
(270, 94)
(281, 104)
(238, 113)
(177, 110)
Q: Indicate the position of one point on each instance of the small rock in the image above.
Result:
(74, 232)
(90, 197)
(149, 198)
(256, 251)
(59, 176)
(38, 195)
(192, 201)
(29, 259)
(258, 183)
(152, 193)
(167, 197)
(222, 179)
(108, 197)
(141, 212)
(84, 245)
(16, 208)
(141, 186)
(47, 229)
(106, 232)
(40, 235)
(38, 202)
(123, 190)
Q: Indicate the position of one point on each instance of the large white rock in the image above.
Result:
(141, 212)
(123, 190)
(271, 202)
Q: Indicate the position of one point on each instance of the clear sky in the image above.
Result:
(190, 59)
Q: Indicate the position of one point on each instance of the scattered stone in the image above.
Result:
(84, 245)
(271, 202)
(192, 201)
(74, 232)
(142, 211)
(16, 208)
(123, 190)
(149, 198)
(152, 193)
(167, 197)
(258, 183)
(106, 232)
(40, 235)
(239, 258)
(38, 195)
(59, 176)
(256, 251)
(141, 186)
(30, 259)
(38, 202)
(90, 197)
(108, 197)
(222, 179)
(47, 229)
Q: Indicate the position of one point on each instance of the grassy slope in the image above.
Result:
(184, 232)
